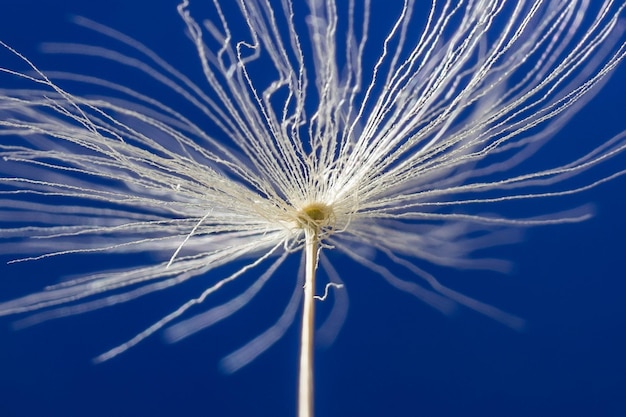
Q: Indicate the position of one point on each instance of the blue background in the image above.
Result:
(394, 356)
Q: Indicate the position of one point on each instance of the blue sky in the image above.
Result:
(394, 356)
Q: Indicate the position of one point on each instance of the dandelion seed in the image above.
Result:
(396, 147)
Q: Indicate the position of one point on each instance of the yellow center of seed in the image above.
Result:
(315, 215)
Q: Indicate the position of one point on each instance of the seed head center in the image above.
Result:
(315, 216)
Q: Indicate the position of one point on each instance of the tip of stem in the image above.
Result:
(315, 216)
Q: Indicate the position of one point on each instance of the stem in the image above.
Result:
(305, 381)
